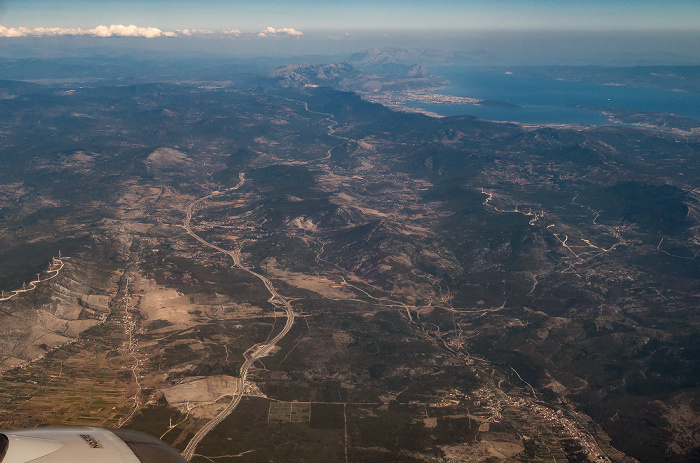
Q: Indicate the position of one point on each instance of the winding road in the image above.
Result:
(58, 263)
(260, 350)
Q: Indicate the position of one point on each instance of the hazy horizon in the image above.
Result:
(495, 47)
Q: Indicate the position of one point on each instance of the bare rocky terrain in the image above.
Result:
(55, 313)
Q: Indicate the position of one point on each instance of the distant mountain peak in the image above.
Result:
(397, 56)
(348, 77)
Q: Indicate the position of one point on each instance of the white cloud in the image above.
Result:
(201, 32)
(115, 30)
(120, 30)
(13, 32)
(271, 31)
(125, 31)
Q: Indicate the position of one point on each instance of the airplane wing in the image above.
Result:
(84, 444)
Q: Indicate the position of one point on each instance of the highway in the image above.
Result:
(261, 350)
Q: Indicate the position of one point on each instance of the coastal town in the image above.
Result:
(397, 99)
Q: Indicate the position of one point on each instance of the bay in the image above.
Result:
(549, 101)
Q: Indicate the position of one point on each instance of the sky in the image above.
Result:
(552, 31)
(346, 16)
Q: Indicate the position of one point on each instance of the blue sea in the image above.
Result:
(549, 101)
